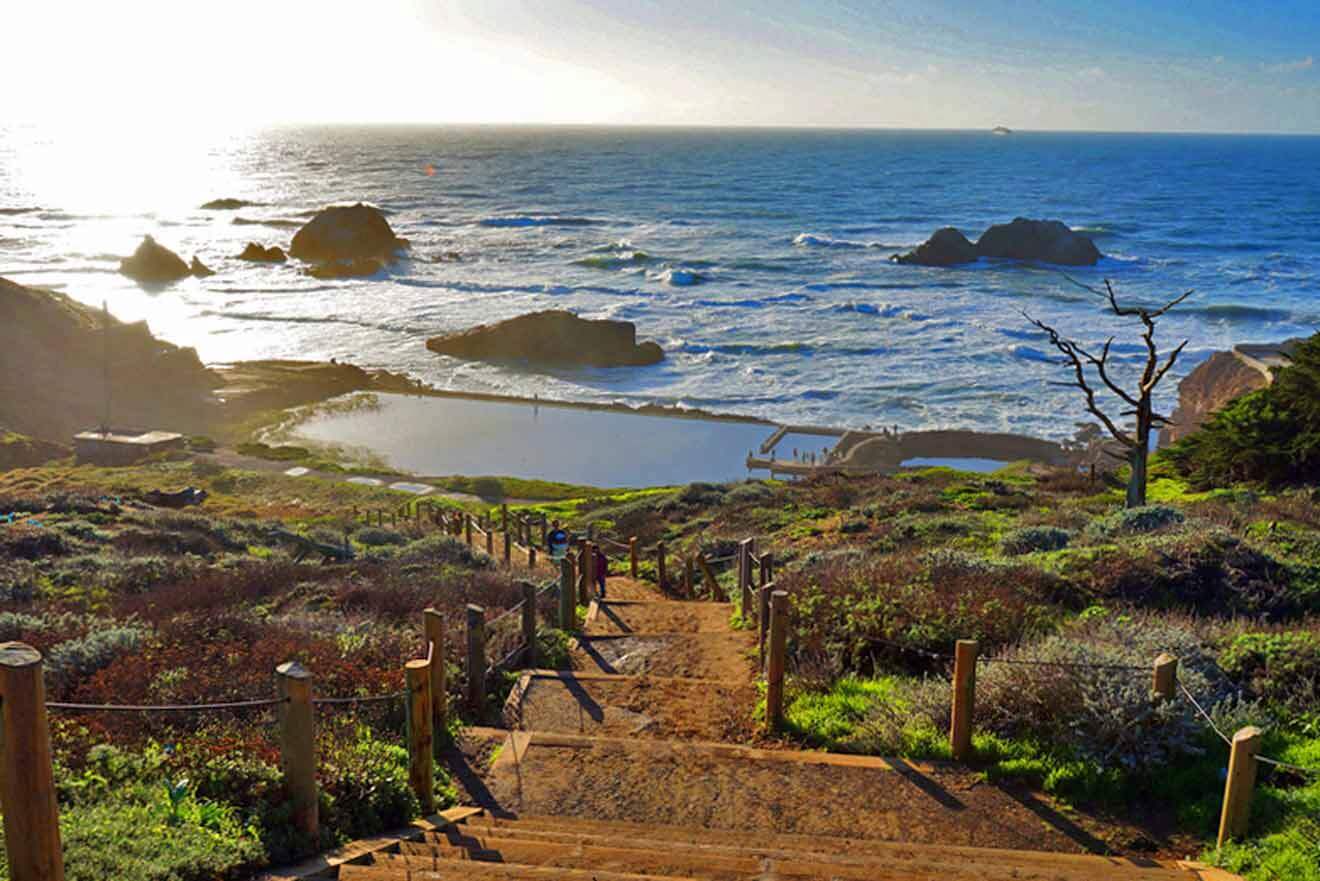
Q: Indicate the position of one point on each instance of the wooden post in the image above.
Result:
(467, 529)
(27, 778)
(421, 738)
(435, 635)
(1165, 683)
(632, 557)
(712, 583)
(964, 698)
(745, 577)
(660, 577)
(1241, 781)
(763, 620)
(584, 573)
(589, 549)
(531, 556)
(490, 541)
(774, 677)
(508, 537)
(688, 576)
(567, 594)
(767, 568)
(476, 658)
(297, 719)
(529, 623)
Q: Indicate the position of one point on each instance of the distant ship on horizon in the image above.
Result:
(1001, 130)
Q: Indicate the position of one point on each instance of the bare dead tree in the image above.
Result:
(1136, 440)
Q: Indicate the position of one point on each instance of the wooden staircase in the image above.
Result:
(481, 846)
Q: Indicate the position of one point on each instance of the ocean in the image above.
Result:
(757, 258)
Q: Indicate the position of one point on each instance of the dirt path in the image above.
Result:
(653, 724)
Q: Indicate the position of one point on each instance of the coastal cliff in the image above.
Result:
(1219, 379)
(57, 360)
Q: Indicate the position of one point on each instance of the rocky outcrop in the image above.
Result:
(1218, 380)
(1042, 241)
(553, 337)
(947, 247)
(1045, 241)
(198, 269)
(21, 451)
(53, 370)
(154, 263)
(227, 204)
(260, 254)
(347, 233)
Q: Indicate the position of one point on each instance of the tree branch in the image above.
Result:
(1075, 354)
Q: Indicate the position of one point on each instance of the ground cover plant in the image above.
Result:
(131, 604)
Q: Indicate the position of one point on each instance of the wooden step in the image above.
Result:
(481, 831)
(471, 870)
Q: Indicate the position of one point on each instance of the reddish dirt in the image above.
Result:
(629, 616)
(643, 707)
(729, 657)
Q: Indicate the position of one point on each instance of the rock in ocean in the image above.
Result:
(947, 247)
(1046, 241)
(346, 233)
(261, 254)
(153, 263)
(552, 337)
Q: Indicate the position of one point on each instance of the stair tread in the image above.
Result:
(819, 849)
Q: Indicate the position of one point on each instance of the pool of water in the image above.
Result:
(443, 436)
(983, 466)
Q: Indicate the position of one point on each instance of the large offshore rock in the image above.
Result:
(154, 263)
(346, 233)
(947, 247)
(553, 337)
(1045, 241)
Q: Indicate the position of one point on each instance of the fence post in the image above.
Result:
(774, 677)
(763, 619)
(508, 536)
(529, 623)
(545, 530)
(435, 635)
(27, 778)
(490, 541)
(567, 594)
(767, 568)
(476, 658)
(531, 556)
(688, 573)
(467, 529)
(1241, 781)
(421, 739)
(964, 698)
(632, 557)
(660, 565)
(1165, 682)
(298, 745)
(745, 577)
(589, 549)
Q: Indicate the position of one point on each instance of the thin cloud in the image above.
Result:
(1290, 66)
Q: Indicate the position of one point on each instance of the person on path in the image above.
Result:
(602, 570)
(556, 541)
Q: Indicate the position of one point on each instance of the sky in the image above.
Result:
(1193, 65)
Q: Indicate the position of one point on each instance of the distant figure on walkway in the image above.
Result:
(556, 541)
(602, 570)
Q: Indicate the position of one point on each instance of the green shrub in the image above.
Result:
(379, 537)
(1282, 668)
(1035, 538)
(77, 659)
(1270, 436)
(438, 549)
(751, 492)
(702, 494)
(1135, 521)
(489, 488)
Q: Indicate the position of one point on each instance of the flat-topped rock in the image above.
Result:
(553, 337)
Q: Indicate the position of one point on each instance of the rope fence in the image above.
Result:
(165, 708)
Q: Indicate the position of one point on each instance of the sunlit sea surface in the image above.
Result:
(757, 259)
